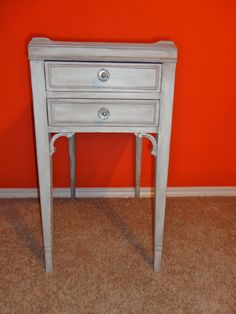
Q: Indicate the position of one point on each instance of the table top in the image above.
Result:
(45, 49)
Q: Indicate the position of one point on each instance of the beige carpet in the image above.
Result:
(103, 257)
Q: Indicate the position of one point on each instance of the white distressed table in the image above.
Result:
(102, 87)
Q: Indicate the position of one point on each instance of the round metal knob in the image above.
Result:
(103, 75)
(104, 113)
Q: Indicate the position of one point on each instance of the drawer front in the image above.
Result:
(111, 77)
(85, 112)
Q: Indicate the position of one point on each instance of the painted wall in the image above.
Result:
(204, 130)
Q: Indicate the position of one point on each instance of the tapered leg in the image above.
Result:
(45, 183)
(43, 156)
(160, 202)
(162, 159)
(138, 165)
(72, 155)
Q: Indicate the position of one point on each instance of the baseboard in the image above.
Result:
(124, 192)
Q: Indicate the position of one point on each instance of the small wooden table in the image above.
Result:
(102, 87)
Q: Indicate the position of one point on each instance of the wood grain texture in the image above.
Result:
(72, 157)
(162, 159)
(43, 157)
(138, 94)
(133, 98)
(46, 49)
(103, 129)
(138, 164)
(84, 112)
(83, 76)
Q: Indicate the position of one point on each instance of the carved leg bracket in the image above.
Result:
(151, 139)
(54, 138)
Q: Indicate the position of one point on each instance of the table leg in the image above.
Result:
(46, 201)
(72, 156)
(159, 208)
(162, 159)
(138, 165)
(43, 156)
(44, 161)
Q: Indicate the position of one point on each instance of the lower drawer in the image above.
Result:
(93, 112)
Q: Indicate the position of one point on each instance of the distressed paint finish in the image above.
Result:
(123, 77)
(46, 49)
(162, 159)
(135, 95)
(43, 157)
(85, 112)
(72, 156)
(138, 164)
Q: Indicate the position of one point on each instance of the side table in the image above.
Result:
(102, 87)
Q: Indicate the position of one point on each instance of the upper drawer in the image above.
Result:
(105, 77)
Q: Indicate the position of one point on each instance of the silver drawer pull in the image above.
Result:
(104, 113)
(103, 75)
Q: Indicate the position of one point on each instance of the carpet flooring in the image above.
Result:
(103, 257)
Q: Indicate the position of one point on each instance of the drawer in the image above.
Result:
(85, 112)
(110, 77)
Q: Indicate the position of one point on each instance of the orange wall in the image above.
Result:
(203, 146)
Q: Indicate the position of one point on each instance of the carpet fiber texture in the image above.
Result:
(103, 256)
